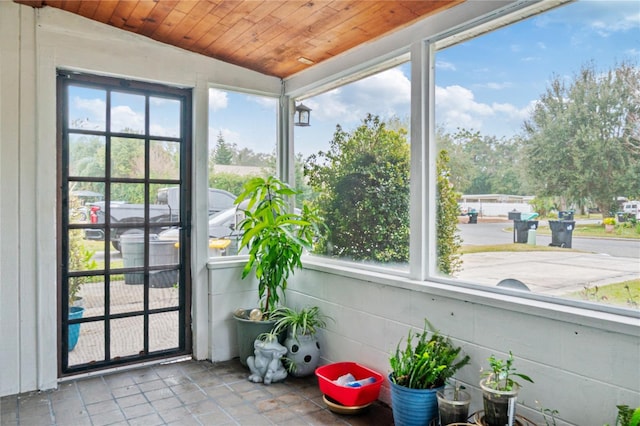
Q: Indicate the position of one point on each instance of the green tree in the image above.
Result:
(483, 164)
(223, 153)
(363, 186)
(582, 137)
(449, 242)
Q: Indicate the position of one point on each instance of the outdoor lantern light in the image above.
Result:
(302, 116)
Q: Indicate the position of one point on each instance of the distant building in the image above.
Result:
(495, 204)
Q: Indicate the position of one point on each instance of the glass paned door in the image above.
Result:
(124, 216)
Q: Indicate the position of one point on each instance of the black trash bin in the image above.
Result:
(561, 232)
(622, 216)
(521, 228)
(565, 215)
(473, 216)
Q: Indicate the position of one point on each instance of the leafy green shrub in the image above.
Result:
(449, 242)
(363, 187)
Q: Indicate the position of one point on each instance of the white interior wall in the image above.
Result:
(583, 363)
(33, 44)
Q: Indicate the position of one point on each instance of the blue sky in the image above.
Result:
(488, 83)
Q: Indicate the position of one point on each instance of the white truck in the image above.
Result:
(165, 209)
(632, 208)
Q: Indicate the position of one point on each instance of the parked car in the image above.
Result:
(222, 225)
(165, 209)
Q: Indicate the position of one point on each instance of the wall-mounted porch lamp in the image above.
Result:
(302, 115)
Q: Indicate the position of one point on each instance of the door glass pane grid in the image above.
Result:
(129, 169)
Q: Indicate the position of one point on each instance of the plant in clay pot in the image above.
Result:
(418, 372)
(275, 238)
(500, 391)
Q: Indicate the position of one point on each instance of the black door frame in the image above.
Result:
(109, 84)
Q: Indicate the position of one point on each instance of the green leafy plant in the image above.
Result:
(627, 416)
(548, 415)
(275, 237)
(303, 322)
(500, 377)
(429, 363)
(80, 258)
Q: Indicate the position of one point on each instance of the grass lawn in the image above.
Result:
(596, 230)
(626, 293)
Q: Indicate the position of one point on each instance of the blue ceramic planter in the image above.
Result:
(75, 312)
(413, 407)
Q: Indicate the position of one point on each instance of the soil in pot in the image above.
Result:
(453, 406)
(499, 406)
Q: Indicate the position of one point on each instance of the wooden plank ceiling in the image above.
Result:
(277, 38)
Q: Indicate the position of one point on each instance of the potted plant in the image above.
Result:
(627, 416)
(275, 239)
(500, 391)
(453, 405)
(302, 343)
(80, 258)
(609, 224)
(419, 372)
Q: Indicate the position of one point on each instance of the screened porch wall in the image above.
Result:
(583, 364)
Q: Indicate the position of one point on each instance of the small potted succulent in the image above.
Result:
(301, 341)
(500, 391)
(419, 371)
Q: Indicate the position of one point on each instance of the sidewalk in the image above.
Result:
(549, 272)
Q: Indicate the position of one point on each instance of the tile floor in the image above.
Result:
(184, 393)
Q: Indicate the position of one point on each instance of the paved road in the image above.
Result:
(496, 233)
(598, 261)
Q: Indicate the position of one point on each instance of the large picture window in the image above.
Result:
(242, 145)
(539, 120)
(353, 164)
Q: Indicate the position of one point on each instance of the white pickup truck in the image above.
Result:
(166, 209)
(632, 208)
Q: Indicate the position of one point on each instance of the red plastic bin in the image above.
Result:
(349, 397)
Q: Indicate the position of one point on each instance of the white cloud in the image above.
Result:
(385, 94)
(218, 99)
(497, 86)
(229, 136)
(444, 65)
(456, 106)
(606, 27)
(123, 117)
(263, 101)
(90, 112)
